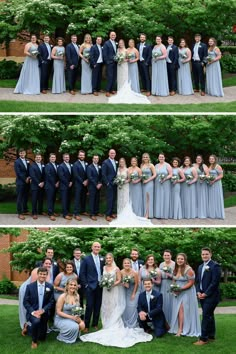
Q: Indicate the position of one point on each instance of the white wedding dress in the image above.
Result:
(125, 214)
(114, 333)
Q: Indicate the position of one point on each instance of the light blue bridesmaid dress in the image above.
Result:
(160, 86)
(184, 80)
(162, 193)
(130, 314)
(213, 77)
(86, 75)
(175, 200)
(133, 75)
(144, 274)
(188, 197)
(69, 329)
(165, 287)
(202, 196)
(148, 194)
(62, 284)
(136, 196)
(215, 195)
(59, 82)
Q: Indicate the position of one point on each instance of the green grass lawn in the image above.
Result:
(230, 201)
(13, 342)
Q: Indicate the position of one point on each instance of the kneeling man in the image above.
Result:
(150, 310)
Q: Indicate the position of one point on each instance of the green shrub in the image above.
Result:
(9, 69)
(228, 290)
(228, 167)
(7, 192)
(228, 63)
(229, 182)
(6, 286)
(228, 49)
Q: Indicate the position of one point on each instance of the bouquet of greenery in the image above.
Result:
(174, 178)
(144, 177)
(189, 178)
(167, 269)
(59, 53)
(107, 281)
(127, 279)
(202, 177)
(161, 177)
(120, 181)
(86, 55)
(210, 178)
(34, 53)
(153, 273)
(77, 311)
(175, 289)
(134, 177)
(156, 55)
(119, 58)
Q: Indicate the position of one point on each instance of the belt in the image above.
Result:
(197, 61)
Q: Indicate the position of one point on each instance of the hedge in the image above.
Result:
(6, 286)
(228, 49)
(9, 69)
(228, 290)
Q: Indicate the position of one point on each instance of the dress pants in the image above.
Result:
(94, 301)
(22, 198)
(198, 75)
(145, 76)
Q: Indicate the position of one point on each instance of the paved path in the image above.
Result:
(11, 219)
(219, 310)
(7, 94)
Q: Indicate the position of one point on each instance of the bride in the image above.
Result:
(125, 212)
(114, 333)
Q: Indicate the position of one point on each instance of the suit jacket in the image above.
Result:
(30, 301)
(155, 304)
(65, 177)
(21, 172)
(55, 267)
(108, 52)
(202, 51)
(94, 55)
(51, 176)
(108, 172)
(147, 53)
(140, 263)
(79, 173)
(75, 269)
(174, 55)
(88, 272)
(210, 280)
(43, 53)
(94, 177)
(36, 176)
(72, 58)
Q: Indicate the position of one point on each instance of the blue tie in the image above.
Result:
(97, 263)
(148, 296)
(40, 295)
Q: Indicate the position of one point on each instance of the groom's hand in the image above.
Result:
(142, 315)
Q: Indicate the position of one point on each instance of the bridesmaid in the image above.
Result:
(69, 325)
(184, 81)
(188, 190)
(122, 68)
(86, 74)
(58, 54)
(201, 188)
(185, 319)
(145, 272)
(162, 188)
(62, 278)
(215, 190)
(175, 200)
(135, 187)
(29, 80)
(167, 268)
(213, 71)
(160, 86)
(133, 57)
(148, 175)
(130, 314)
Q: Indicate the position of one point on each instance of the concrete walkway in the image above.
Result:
(12, 220)
(7, 94)
(219, 310)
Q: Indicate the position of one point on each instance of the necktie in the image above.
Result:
(148, 296)
(24, 162)
(51, 275)
(78, 266)
(141, 51)
(40, 294)
(83, 165)
(40, 166)
(54, 165)
(96, 166)
(114, 45)
(203, 270)
(68, 166)
(136, 266)
(49, 50)
(97, 263)
(113, 164)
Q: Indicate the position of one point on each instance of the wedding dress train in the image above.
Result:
(126, 95)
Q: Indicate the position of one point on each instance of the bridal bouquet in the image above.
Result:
(174, 178)
(107, 281)
(120, 181)
(174, 288)
(189, 179)
(119, 58)
(77, 311)
(210, 178)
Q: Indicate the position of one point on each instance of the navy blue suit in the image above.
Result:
(51, 178)
(72, 58)
(89, 280)
(65, 177)
(198, 73)
(108, 175)
(156, 314)
(79, 176)
(94, 178)
(111, 65)
(144, 66)
(37, 192)
(22, 188)
(45, 66)
(96, 68)
(80, 290)
(30, 302)
(209, 286)
(172, 67)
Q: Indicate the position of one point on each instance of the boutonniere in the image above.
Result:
(43, 166)
(199, 46)
(99, 167)
(101, 259)
(152, 297)
(71, 165)
(47, 290)
(207, 268)
(171, 48)
(55, 263)
(140, 265)
(116, 43)
(27, 161)
(116, 162)
(86, 163)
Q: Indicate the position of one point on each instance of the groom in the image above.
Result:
(208, 280)
(90, 275)
(145, 59)
(109, 170)
(109, 52)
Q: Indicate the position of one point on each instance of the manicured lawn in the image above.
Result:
(230, 201)
(13, 342)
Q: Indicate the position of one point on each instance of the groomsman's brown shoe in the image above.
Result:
(95, 94)
(56, 214)
(114, 216)
(78, 218)
(195, 90)
(51, 217)
(100, 215)
(86, 330)
(202, 93)
(148, 94)
(113, 92)
(85, 213)
(67, 217)
(93, 218)
(142, 90)
(43, 213)
(200, 342)
(108, 218)
(34, 345)
(44, 92)
(108, 94)
(72, 92)
(172, 93)
(26, 213)
(35, 217)
(24, 330)
(21, 217)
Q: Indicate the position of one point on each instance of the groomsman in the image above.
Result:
(38, 302)
(51, 185)
(150, 304)
(37, 174)
(208, 292)
(21, 167)
(90, 275)
(199, 54)
(109, 171)
(172, 60)
(136, 263)
(72, 63)
(77, 261)
(94, 173)
(80, 180)
(109, 52)
(145, 59)
(96, 61)
(65, 175)
(44, 63)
